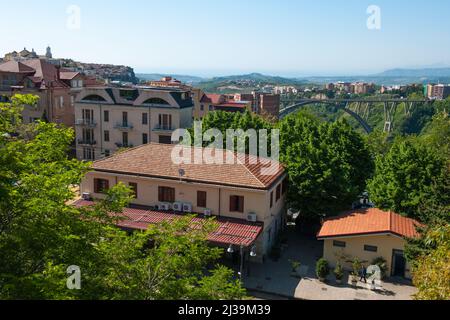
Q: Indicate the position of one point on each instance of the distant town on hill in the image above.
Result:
(388, 77)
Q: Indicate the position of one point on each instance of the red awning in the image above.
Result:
(230, 231)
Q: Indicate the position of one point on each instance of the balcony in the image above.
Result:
(124, 145)
(164, 128)
(124, 126)
(86, 142)
(86, 123)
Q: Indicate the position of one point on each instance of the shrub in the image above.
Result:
(322, 268)
(339, 271)
(356, 266)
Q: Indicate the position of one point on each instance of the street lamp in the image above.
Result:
(253, 254)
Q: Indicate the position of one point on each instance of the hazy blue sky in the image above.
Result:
(217, 37)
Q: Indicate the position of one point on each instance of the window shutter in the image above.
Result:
(241, 204)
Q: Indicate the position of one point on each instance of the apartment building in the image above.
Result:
(221, 102)
(108, 118)
(56, 88)
(437, 91)
(248, 205)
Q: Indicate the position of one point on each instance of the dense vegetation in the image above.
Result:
(41, 235)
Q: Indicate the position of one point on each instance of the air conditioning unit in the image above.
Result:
(187, 207)
(86, 196)
(207, 213)
(252, 217)
(178, 206)
(164, 206)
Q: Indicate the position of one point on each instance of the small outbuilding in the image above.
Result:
(369, 234)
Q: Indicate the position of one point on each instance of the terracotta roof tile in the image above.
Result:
(368, 221)
(155, 160)
(229, 231)
(16, 67)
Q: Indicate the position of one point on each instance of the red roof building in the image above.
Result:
(368, 221)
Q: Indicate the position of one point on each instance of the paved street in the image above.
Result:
(275, 277)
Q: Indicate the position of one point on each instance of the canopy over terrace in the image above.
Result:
(229, 231)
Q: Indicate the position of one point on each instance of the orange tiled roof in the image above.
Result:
(154, 160)
(368, 221)
(229, 231)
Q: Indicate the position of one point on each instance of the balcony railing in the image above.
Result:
(161, 127)
(87, 142)
(85, 123)
(124, 126)
(124, 145)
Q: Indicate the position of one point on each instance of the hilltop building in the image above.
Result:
(55, 86)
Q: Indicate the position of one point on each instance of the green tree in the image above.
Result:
(431, 267)
(328, 164)
(42, 234)
(405, 176)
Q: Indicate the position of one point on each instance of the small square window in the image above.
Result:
(339, 244)
(370, 248)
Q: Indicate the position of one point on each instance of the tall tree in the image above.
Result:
(328, 164)
(431, 267)
(405, 176)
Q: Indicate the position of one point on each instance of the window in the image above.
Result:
(72, 101)
(284, 186)
(165, 139)
(88, 136)
(94, 98)
(237, 204)
(106, 115)
(145, 118)
(88, 115)
(278, 192)
(101, 185)
(88, 154)
(165, 121)
(166, 194)
(106, 136)
(211, 108)
(144, 138)
(134, 188)
(125, 119)
(271, 199)
(370, 248)
(156, 101)
(201, 199)
(340, 244)
(202, 107)
(125, 139)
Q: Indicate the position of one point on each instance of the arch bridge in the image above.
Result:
(360, 109)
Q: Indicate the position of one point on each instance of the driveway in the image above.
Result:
(274, 277)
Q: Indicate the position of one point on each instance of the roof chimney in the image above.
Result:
(58, 72)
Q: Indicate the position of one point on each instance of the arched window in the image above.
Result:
(94, 97)
(156, 101)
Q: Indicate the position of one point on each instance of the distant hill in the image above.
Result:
(426, 72)
(259, 78)
(157, 76)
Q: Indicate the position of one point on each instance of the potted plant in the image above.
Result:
(356, 267)
(322, 269)
(294, 265)
(339, 273)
